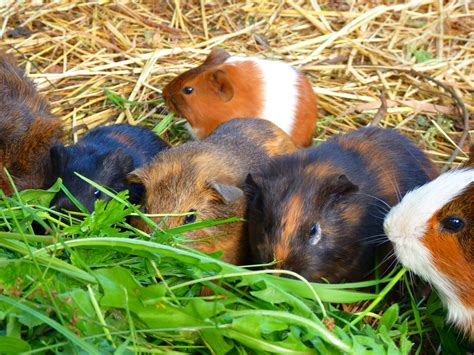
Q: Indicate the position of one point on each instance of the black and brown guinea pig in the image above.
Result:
(432, 231)
(105, 155)
(319, 211)
(205, 178)
(28, 130)
(225, 87)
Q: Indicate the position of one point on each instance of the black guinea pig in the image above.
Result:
(105, 155)
(319, 212)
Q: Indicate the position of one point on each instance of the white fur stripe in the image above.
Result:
(280, 91)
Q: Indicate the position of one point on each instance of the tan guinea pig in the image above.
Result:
(28, 130)
(207, 177)
(432, 230)
(225, 87)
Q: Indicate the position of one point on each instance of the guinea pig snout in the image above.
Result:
(170, 101)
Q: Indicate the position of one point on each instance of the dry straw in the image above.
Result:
(352, 51)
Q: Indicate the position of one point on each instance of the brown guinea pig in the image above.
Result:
(28, 130)
(432, 231)
(225, 87)
(319, 212)
(206, 178)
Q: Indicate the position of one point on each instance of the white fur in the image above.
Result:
(406, 224)
(280, 91)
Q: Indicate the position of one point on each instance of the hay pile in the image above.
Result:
(352, 52)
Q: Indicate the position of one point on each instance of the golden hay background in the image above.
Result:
(351, 51)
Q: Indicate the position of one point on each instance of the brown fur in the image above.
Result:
(455, 251)
(190, 176)
(307, 107)
(237, 95)
(343, 188)
(290, 224)
(28, 130)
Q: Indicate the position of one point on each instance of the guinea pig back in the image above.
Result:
(205, 179)
(226, 87)
(432, 230)
(105, 155)
(319, 212)
(28, 130)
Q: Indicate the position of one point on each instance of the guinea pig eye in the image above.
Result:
(190, 218)
(188, 90)
(314, 234)
(97, 193)
(453, 224)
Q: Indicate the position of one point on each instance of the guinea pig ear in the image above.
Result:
(228, 193)
(253, 192)
(342, 185)
(216, 56)
(118, 160)
(251, 187)
(222, 85)
(137, 176)
(59, 157)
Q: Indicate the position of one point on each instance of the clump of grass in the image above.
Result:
(96, 284)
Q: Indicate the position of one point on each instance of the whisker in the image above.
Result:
(381, 217)
(376, 198)
(392, 264)
(374, 236)
(398, 193)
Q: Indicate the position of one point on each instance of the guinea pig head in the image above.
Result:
(432, 230)
(303, 225)
(199, 93)
(108, 170)
(201, 184)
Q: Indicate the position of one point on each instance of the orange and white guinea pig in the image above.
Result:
(432, 230)
(225, 87)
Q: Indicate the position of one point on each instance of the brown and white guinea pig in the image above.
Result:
(206, 178)
(225, 87)
(319, 212)
(432, 231)
(28, 130)
(105, 155)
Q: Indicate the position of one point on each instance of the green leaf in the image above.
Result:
(260, 344)
(216, 341)
(115, 281)
(371, 344)
(422, 56)
(389, 317)
(13, 345)
(53, 324)
(117, 100)
(164, 123)
(41, 197)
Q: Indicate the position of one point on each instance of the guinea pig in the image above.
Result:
(205, 178)
(105, 155)
(319, 212)
(432, 231)
(225, 87)
(28, 130)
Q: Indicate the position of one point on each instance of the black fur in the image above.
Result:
(335, 182)
(105, 155)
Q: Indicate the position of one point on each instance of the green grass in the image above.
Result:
(92, 283)
(97, 285)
